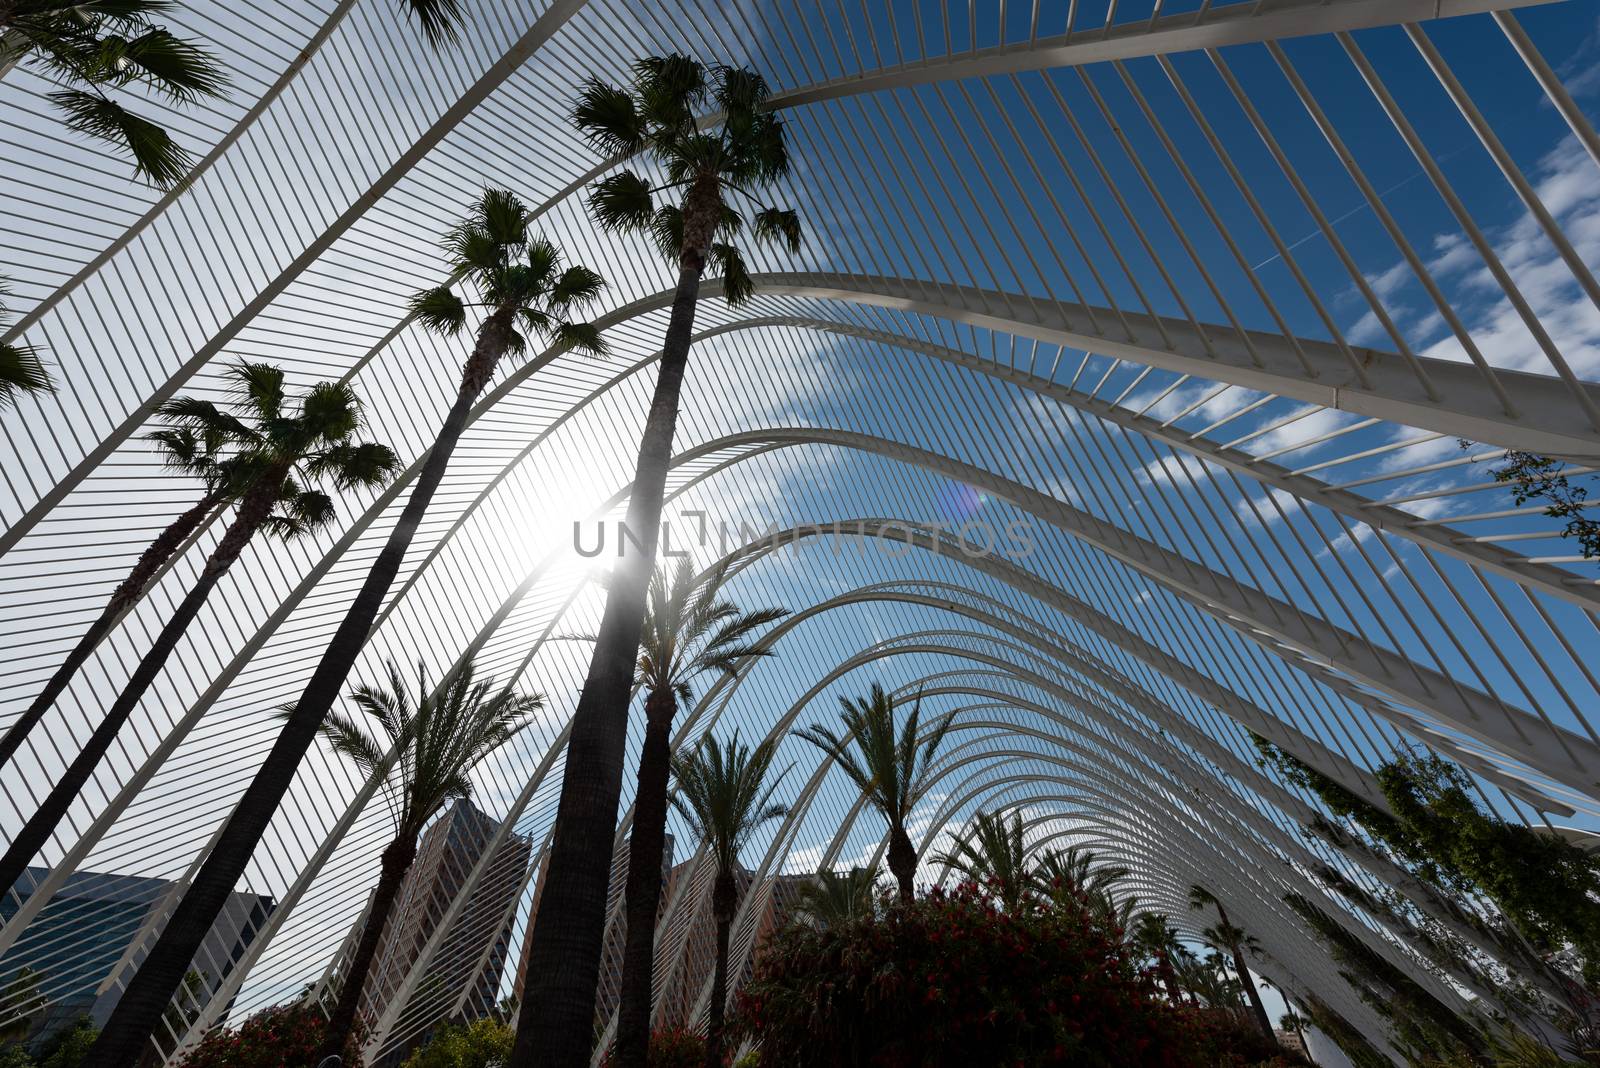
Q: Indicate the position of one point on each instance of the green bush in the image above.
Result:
(953, 980)
(479, 1044)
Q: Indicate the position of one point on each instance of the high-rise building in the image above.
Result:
(468, 970)
(84, 946)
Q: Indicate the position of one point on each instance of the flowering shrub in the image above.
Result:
(673, 1047)
(952, 979)
(1230, 1040)
(284, 1036)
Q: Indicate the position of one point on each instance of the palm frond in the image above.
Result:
(330, 412)
(439, 20)
(780, 226)
(669, 90)
(737, 89)
(621, 203)
(725, 795)
(576, 287)
(439, 310)
(204, 418)
(300, 514)
(608, 118)
(367, 465)
(543, 260)
(178, 69)
(581, 337)
(442, 732)
(502, 216)
(666, 231)
(156, 156)
(21, 371)
(737, 285)
(472, 250)
(258, 386)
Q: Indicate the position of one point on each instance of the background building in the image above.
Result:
(86, 942)
(468, 975)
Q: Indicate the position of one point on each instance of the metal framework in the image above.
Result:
(1113, 402)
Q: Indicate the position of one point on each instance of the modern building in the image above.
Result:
(468, 975)
(82, 949)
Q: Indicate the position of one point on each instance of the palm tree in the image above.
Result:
(688, 630)
(285, 450)
(1227, 937)
(724, 796)
(835, 899)
(92, 46)
(1293, 1021)
(1155, 938)
(1113, 917)
(894, 771)
(439, 736)
(520, 283)
(21, 370)
(1207, 979)
(194, 443)
(708, 165)
(992, 854)
(1071, 872)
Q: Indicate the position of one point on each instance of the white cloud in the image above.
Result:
(1565, 181)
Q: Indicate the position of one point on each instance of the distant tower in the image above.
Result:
(464, 977)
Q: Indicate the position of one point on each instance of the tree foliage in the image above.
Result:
(1422, 1026)
(1545, 886)
(484, 1043)
(1547, 481)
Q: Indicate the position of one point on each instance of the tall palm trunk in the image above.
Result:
(724, 899)
(1257, 1006)
(645, 851)
(141, 1005)
(127, 593)
(397, 861)
(555, 1024)
(42, 824)
(903, 863)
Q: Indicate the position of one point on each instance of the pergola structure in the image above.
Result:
(1138, 386)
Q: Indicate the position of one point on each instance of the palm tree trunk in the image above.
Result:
(724, 899)
(42, 824)
(903, 863)
(127, 593)
(397, 860)
(555, 1023)
(141, 1005)
(645, 850)
(1256, 1005)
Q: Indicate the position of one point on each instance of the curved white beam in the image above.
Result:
(1562, 755)
(1549, 418)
